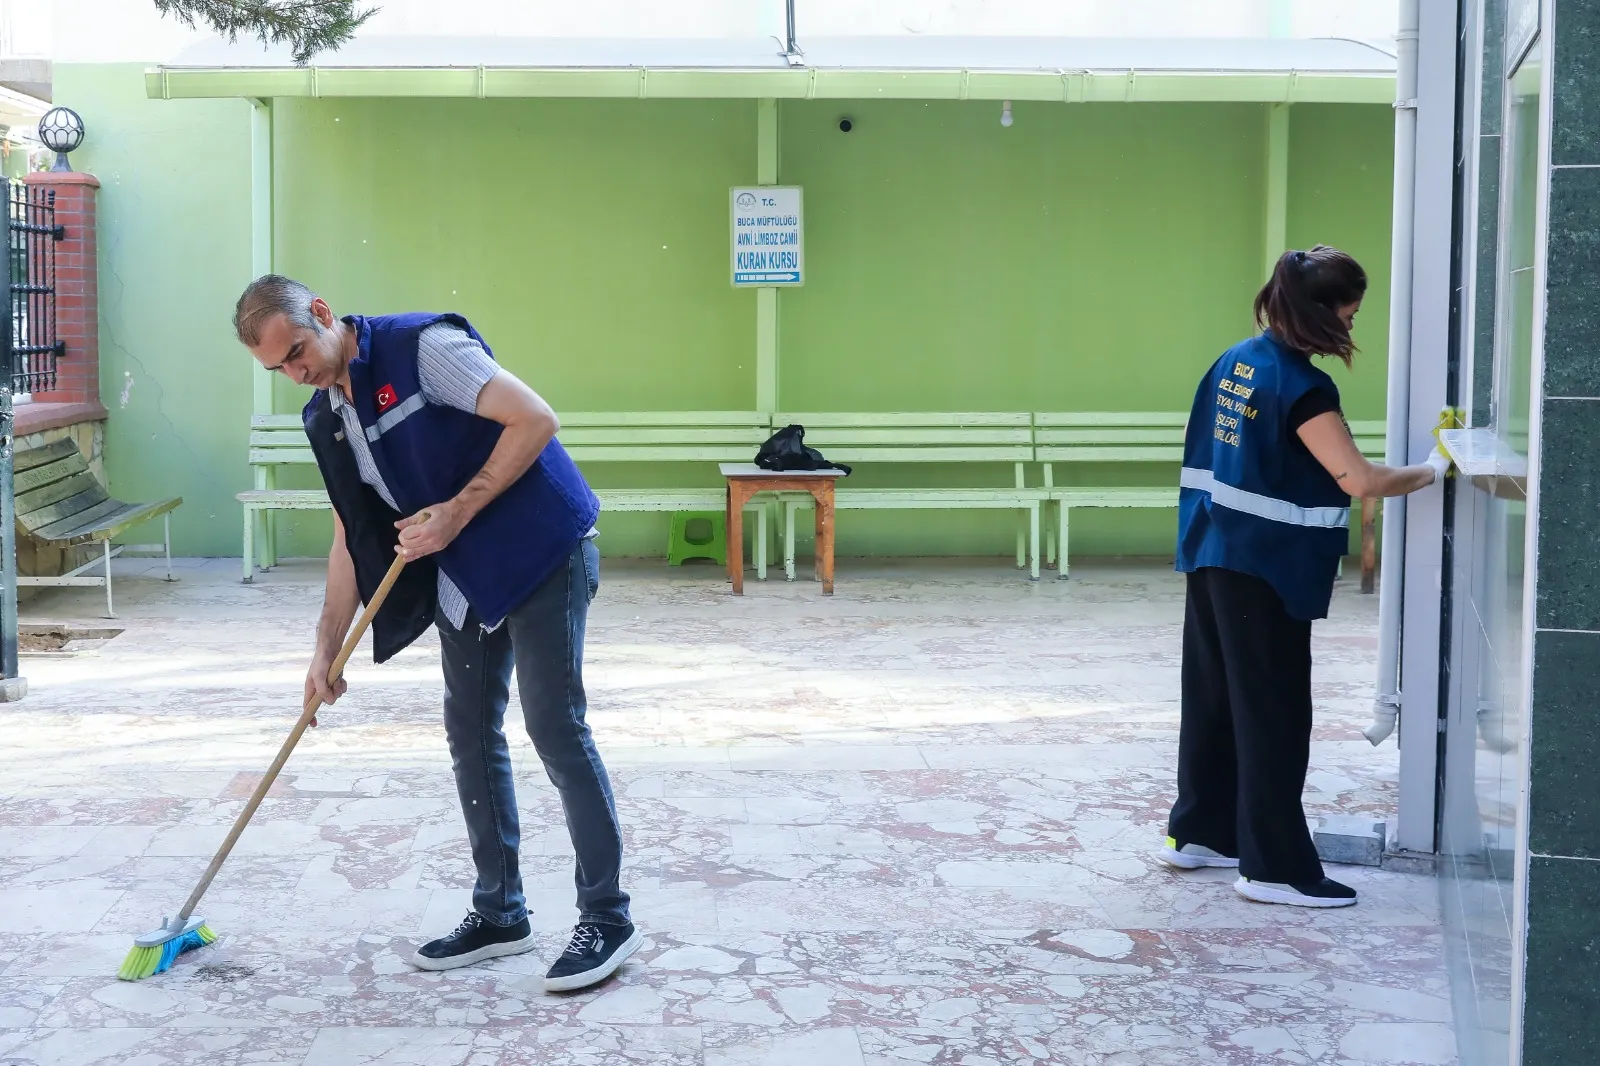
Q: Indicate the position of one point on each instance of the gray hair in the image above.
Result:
(269, 295)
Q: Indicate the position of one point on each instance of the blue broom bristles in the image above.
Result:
(147, 962)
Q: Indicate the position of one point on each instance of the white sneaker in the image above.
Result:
(1193, 856)
(1324, 894)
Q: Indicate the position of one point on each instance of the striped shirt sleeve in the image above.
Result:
(452, 367)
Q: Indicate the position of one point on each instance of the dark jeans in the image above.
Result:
(1245, 739)
(543, 638)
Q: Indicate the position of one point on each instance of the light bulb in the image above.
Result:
(1005, 114)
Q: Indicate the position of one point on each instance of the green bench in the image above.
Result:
(276, 441)
(1084, 438)
(962, 439)
(61, 505)
(683, 437)
(1100, 437)
(689, 438)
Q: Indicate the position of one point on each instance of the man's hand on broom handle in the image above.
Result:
(339, 605)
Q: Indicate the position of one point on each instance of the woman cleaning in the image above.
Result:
(1269, 469)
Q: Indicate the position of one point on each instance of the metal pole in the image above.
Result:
(791, 48)
(12, 687)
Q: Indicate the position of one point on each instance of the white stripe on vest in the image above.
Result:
(389, 419)
(1237, 499)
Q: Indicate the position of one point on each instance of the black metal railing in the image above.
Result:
(31, 222)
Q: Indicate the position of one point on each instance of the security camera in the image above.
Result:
(846, 125)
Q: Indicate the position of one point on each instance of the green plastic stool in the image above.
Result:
(680, 548)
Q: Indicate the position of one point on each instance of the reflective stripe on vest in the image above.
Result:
(389, 419)
(1237, 499)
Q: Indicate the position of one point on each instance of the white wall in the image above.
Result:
(25, 29)
(106, 31)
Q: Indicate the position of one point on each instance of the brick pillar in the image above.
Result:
(77, 288)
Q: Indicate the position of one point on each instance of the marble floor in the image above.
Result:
(908, 825)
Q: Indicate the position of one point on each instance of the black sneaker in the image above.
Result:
(1323, 894)
(474, 940)
(593, 955)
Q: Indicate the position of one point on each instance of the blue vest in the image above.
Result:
(1253, 499)
(426, 454)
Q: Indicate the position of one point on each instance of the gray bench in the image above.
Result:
(62, 505)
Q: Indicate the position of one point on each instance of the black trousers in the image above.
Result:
(1245, 740)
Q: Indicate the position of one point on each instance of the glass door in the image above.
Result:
(1485, 763)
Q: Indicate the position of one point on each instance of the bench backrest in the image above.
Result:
(1370, 437)
(1112, 436)
(278, 440)
(1109, 436)
(633, 437)
(663, 436)
(53, 483)
(919, 437)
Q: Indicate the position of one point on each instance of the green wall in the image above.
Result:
(174, 225)
(1094, 256)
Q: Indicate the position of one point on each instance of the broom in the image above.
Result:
(155, 951)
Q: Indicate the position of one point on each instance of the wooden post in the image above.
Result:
(1369, 544)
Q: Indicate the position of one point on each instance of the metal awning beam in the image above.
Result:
(649, 83)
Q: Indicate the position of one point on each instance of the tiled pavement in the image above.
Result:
(910, 824)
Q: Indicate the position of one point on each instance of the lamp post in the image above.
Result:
(61, 131)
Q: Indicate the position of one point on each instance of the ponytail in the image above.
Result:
(1300, 302)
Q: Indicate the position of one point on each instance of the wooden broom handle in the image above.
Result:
(313, 704)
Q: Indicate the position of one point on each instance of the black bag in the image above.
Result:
(786, 450)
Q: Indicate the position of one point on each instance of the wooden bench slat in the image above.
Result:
(918, 437)
(82, 483)
(912, 419)
(1115, 497)
(277, 422)
(282, 457)
(285, 497)
(68, 517)
(912, 499)
(84, 503)
(1088, 454)
(1089, 419)
(662, 453)
(49, 473)
(1110, 436)
(622, 500)
(954, 454)
(45, 453)
(113, 523)
(276, 438)
(684, 419)
(742, 436)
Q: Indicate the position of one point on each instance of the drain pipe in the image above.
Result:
(1386, 706)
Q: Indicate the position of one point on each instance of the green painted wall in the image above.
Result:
(1341, 185)
(1093, 256)
(174, 214)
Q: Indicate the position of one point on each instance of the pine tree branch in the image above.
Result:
(307, 26)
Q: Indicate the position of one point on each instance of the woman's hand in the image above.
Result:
(1439, 462)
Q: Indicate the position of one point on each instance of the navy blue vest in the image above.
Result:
(1253, 499)
(426, 454)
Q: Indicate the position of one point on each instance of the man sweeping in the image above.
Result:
(430, 448)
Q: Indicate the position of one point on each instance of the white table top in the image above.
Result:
(752, 470)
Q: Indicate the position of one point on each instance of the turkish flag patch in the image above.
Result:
(386, 398)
